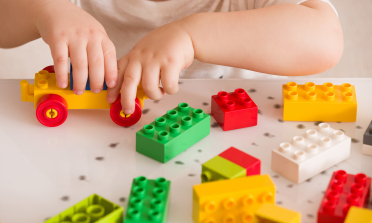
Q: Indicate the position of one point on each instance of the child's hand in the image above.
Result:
(70, 31)
(159, 56)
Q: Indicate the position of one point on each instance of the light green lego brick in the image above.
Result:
(219, 168)
(173, 133)
(148, 201)
(93, 209)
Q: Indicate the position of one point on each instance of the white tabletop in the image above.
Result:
(45, 170)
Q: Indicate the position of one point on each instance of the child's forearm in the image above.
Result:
(284, 39)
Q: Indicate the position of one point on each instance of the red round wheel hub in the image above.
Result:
(50, 69)
(51, 110)
(120, 118)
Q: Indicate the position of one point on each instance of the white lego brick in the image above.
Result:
(367, 149)
(311, 153)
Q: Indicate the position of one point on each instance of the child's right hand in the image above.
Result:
(70, 31)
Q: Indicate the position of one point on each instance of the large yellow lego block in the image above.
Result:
(358, 215)
(270, 213)
(234, 200)
(327, 102)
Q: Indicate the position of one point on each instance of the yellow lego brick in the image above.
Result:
(358, 215)
(327, 102)
(234, 200)
(270, 213)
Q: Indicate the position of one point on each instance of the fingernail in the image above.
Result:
(79, 92)
(127, 111)
(111, 84)
(96, 91)
(62, 85)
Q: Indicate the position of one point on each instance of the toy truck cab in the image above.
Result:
(52, 103)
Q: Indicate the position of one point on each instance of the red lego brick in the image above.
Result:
(344, 190)
(234, 110)
(248, 162)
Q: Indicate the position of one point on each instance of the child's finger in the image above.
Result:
(132, 77)
(60, 58)
(112, 93)
(111, 70)
(150, 82)
(169, 79)
(79, 62)
(95, 66)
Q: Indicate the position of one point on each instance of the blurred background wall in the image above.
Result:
(355, 17)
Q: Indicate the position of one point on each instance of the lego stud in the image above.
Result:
(210, 207)
(298, 140)
(325, 141)
(186, 121)
(42, 83)
(311, 133)
(346, 87)
(247, 217)
(323, 127)
(337, 185)
(247, 102)
(159, 122)
(299, 155)
(230, 105)
(197, 113)
(159, 193)
(266, 197)
(210, 220)
(360, 178)
(357, 189)
(172, 114)
(139, 192)
(329, 206)
(43, 74)
(292, 95)
(248, 200)
(229, 218)
(141, 181)
(81, 218)
(161, 182)
(134, 214)
(284, 147)
(347, 96)
(206, 176)
(183, 107)
(240, 93)
(333, 196)
(338, 135)
(175, 128)
(292, 86)
(96, 212)
(222, 95)
(310, 96)
(148, 129)
(341, 175)
(353, 199)
(329, 96)
(157, 204)
(136, 202)
(327, 87)
(229, 203)
(163, 136)
(155, 215)
(312, 148)
(309, 86)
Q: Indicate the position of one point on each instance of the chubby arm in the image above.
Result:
(288, 39)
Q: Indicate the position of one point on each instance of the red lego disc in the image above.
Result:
(51, 110)
(118, 117)
(50, 69)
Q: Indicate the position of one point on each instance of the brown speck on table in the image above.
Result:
(113, 145)
(65, 198)
(100, 158)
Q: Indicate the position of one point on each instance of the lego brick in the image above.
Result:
(173, 133)
(310, 153)
(358, 215)
(219, 168)
(148, 201)
(250, 163)
(327, 102)
(94, 209)
(367, 137)
(270, 213)
(87, 87)
(233, 200)
(344, 190)
(367, 149)
(234, 110)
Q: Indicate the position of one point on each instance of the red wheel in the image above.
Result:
(120, 118)
(51, 110)
(50, 69)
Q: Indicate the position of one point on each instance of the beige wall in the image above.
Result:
(355, 17)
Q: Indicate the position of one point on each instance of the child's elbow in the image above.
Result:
(330, 52)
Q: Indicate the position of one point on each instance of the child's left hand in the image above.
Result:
(159, 56)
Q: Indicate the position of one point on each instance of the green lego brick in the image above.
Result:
(173, 133)
(219, 168)
(93, 209)
(148, 201)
